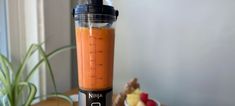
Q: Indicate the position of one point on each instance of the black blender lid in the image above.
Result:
(95, 7)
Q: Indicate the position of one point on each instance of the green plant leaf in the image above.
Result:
(57, 95)
(19, 73)
(7, 62)
(44, 56)
(32, 92)
(2, 91)
(6, 84)
(6, 66)
(3, 80)
(32, 49)
(59, 50)
(5, 77)
(49, 56)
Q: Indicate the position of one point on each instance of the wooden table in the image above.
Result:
(60, 102)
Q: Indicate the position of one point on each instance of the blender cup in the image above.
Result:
(95, 36)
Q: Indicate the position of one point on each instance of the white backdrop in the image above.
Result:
(182, 51)
(58, 34)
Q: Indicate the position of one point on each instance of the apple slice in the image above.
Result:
(144, 97)
(151, 102)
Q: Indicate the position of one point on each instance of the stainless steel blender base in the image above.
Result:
(95, 98)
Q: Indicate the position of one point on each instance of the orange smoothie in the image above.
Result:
(95, 48)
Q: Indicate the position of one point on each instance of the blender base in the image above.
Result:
(95, 98)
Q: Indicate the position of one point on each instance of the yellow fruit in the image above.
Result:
(133, 99)
(140, 103)
(137, 91)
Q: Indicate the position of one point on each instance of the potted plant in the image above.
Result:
(15, 86)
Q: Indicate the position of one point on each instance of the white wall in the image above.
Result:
(57, 34)
(182, 51)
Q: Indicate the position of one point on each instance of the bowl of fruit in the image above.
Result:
(132, 95)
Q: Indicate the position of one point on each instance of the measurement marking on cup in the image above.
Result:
(100, 51)
(93, 59)
(100, 64)
(100, 38)
(100, 78)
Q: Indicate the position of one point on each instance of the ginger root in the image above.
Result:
(129, 87)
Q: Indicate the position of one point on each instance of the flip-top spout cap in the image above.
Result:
(95, 10)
